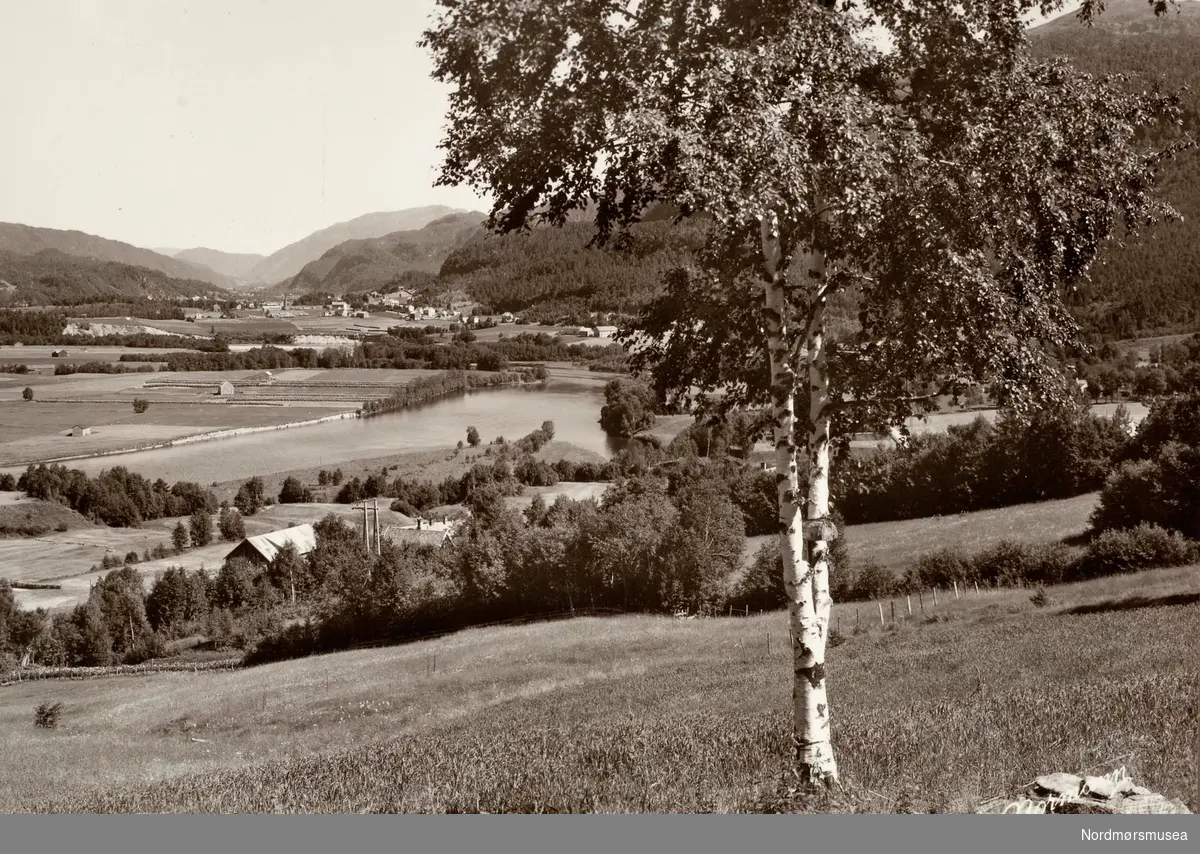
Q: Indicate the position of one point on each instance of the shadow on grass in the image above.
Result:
(1135, 602)
(1080, 539)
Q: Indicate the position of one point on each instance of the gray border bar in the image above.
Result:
(609, 834)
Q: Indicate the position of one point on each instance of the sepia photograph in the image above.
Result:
(622, 407)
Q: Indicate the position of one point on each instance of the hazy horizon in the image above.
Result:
(236, 126)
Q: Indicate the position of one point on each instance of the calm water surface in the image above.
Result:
(510, 412)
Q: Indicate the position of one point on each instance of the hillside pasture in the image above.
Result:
(898, 545)
(639, 714)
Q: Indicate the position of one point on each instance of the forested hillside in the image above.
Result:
(364, 265)
(553, 272)
(1152, 285)
(19, 239)
(51, 277)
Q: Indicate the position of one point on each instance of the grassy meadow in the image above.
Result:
(641, 714)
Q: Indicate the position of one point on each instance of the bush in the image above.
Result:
(1163, 490)
(140, 405)
(1131, 549)
(1009, 564)
(939, 569)
(872, 581)
(47, 714)
(27, 394)
(294, 492)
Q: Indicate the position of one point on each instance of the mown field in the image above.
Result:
(39, 431)
(640, 714)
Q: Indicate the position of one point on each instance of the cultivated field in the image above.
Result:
(40, 431)
(640, 714)
(39, 355)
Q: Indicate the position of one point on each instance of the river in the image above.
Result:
(511, 412)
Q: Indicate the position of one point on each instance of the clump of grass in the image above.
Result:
(1040, 598)
(47, 714)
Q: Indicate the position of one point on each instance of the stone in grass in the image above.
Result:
(1099, 787)
(1060, 783)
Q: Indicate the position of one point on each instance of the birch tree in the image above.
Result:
(905, 163)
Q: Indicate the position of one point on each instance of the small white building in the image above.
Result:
(606, 331)
(80, 430)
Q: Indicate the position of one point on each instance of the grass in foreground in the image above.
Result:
(640, 714)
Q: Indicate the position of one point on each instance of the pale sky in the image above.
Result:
(240, 125)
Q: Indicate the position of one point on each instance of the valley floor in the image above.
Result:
(635, 714)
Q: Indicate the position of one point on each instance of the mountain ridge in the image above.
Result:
(287, 262)
(21, 239)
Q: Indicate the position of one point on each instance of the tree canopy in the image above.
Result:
(911, 163)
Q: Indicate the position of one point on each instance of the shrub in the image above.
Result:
(294, 492)
(1131, 549)
(939, 569)
(140, 405)
(47, 714)
(27, 394)
(1009, 564)
(872, 581)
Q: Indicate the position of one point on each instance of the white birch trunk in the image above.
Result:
(805, 571)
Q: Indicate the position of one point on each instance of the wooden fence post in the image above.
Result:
(921, 599)
(935, 598)
(856, 620)
(908, 599)
(768, 643)
(882, 624)
(955, 589)
(976, 588)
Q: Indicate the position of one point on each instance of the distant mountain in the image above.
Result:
(29, 240)
(53, 277)
(363, 265)
(1152, 285)
(290, 260)
(226, 263)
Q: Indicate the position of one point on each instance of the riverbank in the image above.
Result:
(45, 434)
(210, 436)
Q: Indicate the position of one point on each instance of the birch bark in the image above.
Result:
(805, 546)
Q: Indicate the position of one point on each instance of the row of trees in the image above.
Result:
(116, 497)
(1053, 454)
(428, 388)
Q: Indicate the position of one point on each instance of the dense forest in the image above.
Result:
(550, 272)
(1151, 285)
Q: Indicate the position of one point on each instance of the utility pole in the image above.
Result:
(366, 529)
(377, 534)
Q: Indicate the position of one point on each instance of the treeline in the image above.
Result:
(116, 497)
(643, 548)
(62, 369)
(428, 388)
(982, 465)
